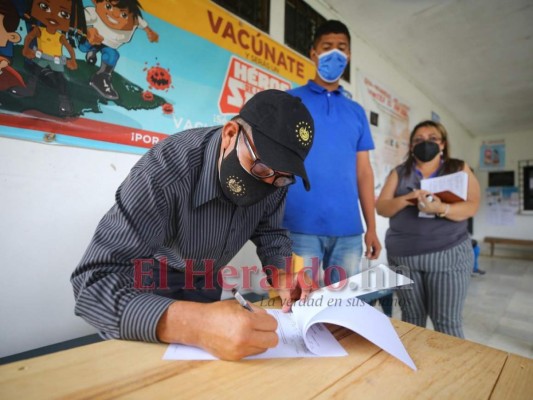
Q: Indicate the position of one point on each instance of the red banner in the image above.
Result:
(242, 81)
(87, 129)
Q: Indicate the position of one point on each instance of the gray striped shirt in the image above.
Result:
(170, 207)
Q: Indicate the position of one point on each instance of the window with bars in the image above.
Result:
(256, 12)
(525, 180)
(301, 22)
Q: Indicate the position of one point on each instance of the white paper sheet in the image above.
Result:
(457, 183)
(302, 333)
(368, 322)
(291, 343)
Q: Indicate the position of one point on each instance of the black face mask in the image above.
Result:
(426, 151)
(239, 186)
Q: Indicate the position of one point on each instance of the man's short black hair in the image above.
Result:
(133, 6)
(331, 26)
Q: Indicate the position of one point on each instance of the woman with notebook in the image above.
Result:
(427, 236)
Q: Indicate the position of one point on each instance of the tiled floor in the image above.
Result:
(499, 306)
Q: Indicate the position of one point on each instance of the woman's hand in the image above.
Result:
(429, 203)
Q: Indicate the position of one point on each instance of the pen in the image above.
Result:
(429, 197)
(241, 300)
(420, 204)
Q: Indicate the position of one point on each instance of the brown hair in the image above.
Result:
(450, 165)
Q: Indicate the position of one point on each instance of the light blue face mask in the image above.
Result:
(331, 65)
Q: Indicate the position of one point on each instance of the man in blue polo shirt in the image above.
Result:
(325, 223)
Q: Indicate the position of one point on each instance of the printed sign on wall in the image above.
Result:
(502, 204)
(91, 74)
(389, 123)
(492, 155)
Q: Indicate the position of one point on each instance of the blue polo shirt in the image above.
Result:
(331, 207)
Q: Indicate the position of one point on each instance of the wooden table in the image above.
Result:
(448, 367)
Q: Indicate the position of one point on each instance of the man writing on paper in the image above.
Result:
(184, 211)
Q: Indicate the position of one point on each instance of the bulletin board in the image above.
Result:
(389, 118)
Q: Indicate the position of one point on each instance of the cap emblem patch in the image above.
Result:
(304, 133)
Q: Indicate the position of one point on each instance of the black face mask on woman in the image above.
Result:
(239, 186)
(426, 151)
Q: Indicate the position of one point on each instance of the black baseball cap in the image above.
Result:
(282, 130)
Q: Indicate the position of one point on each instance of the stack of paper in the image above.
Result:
(450, 188)
(302, 333)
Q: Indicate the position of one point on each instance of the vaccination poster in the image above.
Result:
(492, 155)
(389, 122)
(123, 76)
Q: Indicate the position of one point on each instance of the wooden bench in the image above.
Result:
(515, 242)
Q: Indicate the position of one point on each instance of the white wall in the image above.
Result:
(518, 147)
(53, 197)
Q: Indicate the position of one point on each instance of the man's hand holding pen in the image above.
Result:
(231, 330)
(223, 328)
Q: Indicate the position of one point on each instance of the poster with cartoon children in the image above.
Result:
(111, 24)
(56, 61)
(43, 48)
(122, 75)
(9, 22)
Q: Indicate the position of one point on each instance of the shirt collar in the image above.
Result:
(315, 87)
(208, 186)
(433, 175)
